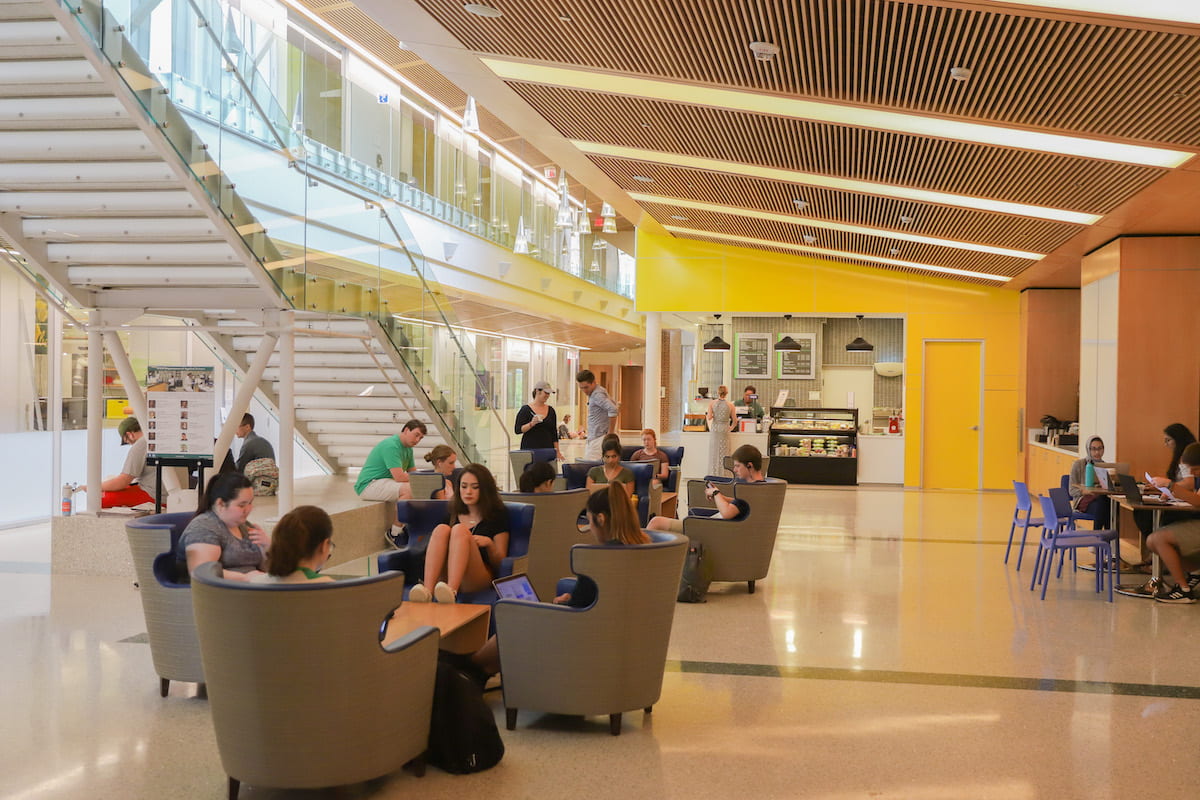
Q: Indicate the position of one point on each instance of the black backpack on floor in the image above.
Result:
(697, 575)
(463, 736)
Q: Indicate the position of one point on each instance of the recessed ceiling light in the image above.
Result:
(565, 17)
(642, 179)
(906, 220)
(800, 204)
(841, 184)
(761, 243)
(895, 251)
(835, 114)
(810, 222)
(960, 73)
(681, 219)
(482, 10)
(810, 239)
(764, 51)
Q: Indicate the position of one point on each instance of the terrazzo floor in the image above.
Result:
(889, 654)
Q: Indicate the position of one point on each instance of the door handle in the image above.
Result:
(974, 427)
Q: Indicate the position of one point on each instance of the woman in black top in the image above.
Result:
(537, 423)
(470, 545)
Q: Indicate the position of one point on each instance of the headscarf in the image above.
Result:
(1087, 449)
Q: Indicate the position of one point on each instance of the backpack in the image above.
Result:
(264, 476)
(463, 736)
(697, 575)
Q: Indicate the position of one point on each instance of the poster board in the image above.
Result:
(181, 409)
(796, 365)
(753, 356)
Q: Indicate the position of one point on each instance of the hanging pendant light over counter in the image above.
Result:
(860, 345)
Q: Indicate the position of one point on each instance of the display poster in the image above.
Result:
(795, 365)
(753, 355)
(181, 410)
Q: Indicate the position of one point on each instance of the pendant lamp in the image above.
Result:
(860, 345)
(716, 344)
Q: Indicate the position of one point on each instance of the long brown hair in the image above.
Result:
(621, 522)
(490, 504)
(297, 536)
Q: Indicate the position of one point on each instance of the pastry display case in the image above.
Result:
(814, 445)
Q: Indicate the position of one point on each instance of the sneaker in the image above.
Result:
(444, 594)
(1193, 580)
(1175, 595)
(397, 536)
(1145, 590)
(418, 594)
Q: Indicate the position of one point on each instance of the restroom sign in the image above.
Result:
(382, 99)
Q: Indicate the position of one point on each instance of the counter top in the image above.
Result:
(881, 436)
(1068, 451)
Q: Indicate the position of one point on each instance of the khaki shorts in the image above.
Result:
(385, 489)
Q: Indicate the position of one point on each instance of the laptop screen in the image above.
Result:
(515, 587)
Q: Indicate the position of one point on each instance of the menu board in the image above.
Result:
(795, 365)
(181, 408)
(753, 355)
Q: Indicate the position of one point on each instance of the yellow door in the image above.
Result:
(953, 411)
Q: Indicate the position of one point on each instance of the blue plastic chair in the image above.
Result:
(1065, 483)
(1054, 540)
(1023, 516)
(643, 473)
(1066, 520)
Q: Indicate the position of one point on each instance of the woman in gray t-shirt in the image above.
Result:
(220, 530)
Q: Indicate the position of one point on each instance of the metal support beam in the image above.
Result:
(287, 412)
(241, 401)
(54, 403)
(95, 416)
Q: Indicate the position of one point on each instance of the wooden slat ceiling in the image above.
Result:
(1100, 77)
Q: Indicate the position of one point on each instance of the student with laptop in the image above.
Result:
(1178, 544)
(1082, 498)
(613, 523)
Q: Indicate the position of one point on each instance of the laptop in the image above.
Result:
(515, 587)
(1129, 486)
(1103, 479)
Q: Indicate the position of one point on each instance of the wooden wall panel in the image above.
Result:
(1158, 379)
(1049, 376)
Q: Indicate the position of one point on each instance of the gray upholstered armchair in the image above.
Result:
(166, 598)
(740, 549)
(606, 658)
(302, 694)
(555, 530)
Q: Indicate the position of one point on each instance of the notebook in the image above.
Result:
(515, 587)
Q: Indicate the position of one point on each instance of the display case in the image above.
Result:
(814, 445)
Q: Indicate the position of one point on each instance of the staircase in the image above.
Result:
(109, 198)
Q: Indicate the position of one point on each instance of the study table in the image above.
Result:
(1119, 501)
(463, 626)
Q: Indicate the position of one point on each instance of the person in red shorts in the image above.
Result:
(134, 484)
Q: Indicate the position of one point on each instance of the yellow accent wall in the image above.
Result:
(698, 277)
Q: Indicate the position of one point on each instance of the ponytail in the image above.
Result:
(297, 537)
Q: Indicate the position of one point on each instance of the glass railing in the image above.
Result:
(385, 139)
(327, 245)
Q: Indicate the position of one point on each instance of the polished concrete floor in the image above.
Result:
(889, 654)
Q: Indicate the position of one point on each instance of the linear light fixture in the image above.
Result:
(839, 184)
(822, 251)
(1167, 10)
(810, 222)
(836, 114)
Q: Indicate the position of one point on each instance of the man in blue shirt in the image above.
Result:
(601, 416)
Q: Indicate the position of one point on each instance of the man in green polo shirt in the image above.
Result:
(384, 476)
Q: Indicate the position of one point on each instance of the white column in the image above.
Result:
(653, 373)
(287, 410)
(241, 400)
(54, 356)
(95, 412)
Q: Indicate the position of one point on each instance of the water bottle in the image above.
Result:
(68, 499)
(1089, 475)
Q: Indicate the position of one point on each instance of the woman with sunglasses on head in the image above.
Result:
(537, 423)
(467, 548)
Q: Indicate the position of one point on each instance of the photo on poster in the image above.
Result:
(184, 405)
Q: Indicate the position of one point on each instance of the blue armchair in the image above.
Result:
(643, 473)
(422, 516)
(675, 462)
(521, 459)
(166, 598)
(575, 474)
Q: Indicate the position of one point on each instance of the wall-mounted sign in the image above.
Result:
(795, 365)
(753, 355)
(181, 406)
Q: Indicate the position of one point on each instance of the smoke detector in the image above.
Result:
(960, 73)
(482, 10)
(764, 51)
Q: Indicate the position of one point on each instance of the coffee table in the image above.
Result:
(464, 626)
